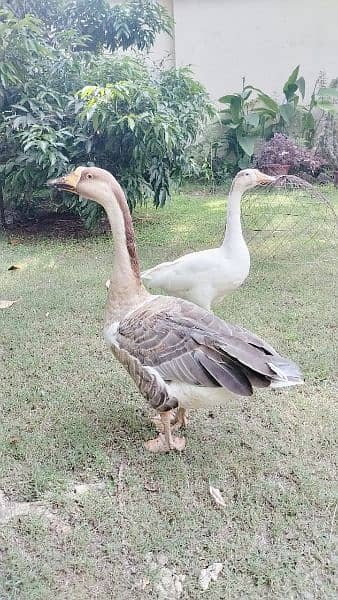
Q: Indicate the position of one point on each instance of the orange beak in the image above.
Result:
(68, 182)
(262, 179)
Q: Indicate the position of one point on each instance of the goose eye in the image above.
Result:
(89, 176)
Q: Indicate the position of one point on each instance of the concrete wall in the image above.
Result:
(261, 40)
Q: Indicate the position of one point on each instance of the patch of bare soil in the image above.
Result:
(10, 510)
(62, 226)
(53, 225)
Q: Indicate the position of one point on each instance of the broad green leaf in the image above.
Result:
(246, 94)
(290, 90)
(288, 112)
(293, 77)
(269, 102)
(255, 89)
(252, 118)
(235, 109)
(327, 106)
(228, 98)
(232, 125)
(265, 112)
(301, 86)
(247, 143)
(290, 86)
(244, 162)
(328, 92)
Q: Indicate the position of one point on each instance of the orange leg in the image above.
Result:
(165, 441)
(181, 419)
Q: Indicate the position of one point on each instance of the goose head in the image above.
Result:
(249, 178)
(90, 182)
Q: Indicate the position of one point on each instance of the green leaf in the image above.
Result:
(301, 86)
(228, 98)
(247, 143)
(95, 121)
(231, 125)
(290, 86)
(328, 92)
(327, 106)
(252, 118)
(131, 122)
(235, 109)
(246, 94)
(244, 162)
(43, 145)
(288, 112)
(269, 102)
(309, 121)
(293, 77)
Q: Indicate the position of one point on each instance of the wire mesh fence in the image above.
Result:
(289, 221)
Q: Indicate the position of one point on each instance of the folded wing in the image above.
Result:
(182, 342)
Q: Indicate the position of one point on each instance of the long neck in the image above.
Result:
(233, 236)
(126, 290)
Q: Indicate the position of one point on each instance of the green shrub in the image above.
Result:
(252, 115)
(84, 105)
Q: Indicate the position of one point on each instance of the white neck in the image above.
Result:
(233, 237)
(126, 290)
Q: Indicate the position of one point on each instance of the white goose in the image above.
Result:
(207, 276)
(178, 354)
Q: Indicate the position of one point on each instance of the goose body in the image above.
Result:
(178, 354)
(183, 356)
(200, 276)
(207, 276)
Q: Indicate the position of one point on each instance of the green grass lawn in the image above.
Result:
(69, 415)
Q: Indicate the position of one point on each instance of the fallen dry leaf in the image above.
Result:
(151, 487)
(217, 496)
(7, 303)
(79, 489)
(169, 586)
(14, 267)
(210, 574)
(10, 510)
(15, 242)
(144, 582)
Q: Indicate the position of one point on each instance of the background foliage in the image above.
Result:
(66, 99)
(252, 116)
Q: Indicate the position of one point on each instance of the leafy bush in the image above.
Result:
(93, 107)
(282, 150)
(326, 133)
(252, 115)
(97, 23)
(140, 127)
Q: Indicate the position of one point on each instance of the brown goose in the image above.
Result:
(178, 354)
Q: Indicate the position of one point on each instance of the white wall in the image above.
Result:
(261, 40)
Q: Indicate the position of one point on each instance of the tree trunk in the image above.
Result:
(2, 214)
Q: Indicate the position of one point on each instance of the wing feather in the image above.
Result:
(186, 343)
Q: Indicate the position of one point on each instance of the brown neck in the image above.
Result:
(128, 229)
(126, 290)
